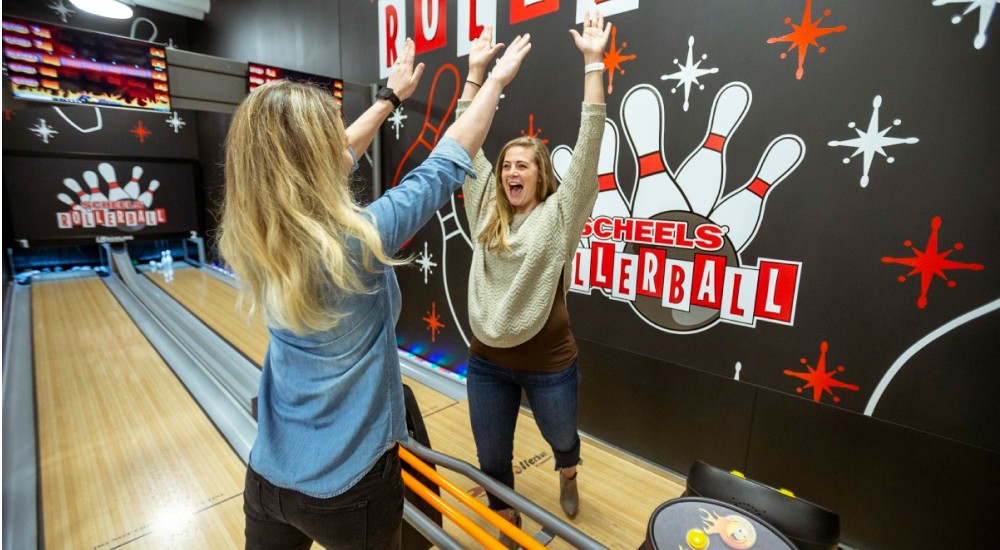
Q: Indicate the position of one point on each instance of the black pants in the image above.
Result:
(368, 516)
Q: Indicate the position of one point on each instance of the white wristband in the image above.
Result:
(591, 67)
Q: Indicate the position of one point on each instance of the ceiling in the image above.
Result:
(195, 9)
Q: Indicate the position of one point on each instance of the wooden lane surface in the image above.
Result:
(214, 302)
(127, 458)
(617, 496)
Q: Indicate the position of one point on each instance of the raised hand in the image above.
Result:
(482, 52)
(404, 76)
(594, 38)
(508, 65)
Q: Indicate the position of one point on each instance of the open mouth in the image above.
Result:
(515, 190)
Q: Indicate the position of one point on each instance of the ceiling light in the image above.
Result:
(106, 8)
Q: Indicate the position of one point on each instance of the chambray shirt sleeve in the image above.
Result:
(404, 209)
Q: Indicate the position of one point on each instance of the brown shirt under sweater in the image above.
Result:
(552, 349)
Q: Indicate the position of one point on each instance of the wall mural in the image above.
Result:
(772, 207)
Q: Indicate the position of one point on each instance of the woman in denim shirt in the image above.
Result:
(325, 467)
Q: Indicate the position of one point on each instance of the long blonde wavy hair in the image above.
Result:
(497, 228)
(288, 214)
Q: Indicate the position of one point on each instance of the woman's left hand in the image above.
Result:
(404, 77)
(594, 38)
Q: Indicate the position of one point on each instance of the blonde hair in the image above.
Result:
(288, 215)
(494, 233)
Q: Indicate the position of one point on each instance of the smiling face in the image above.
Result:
(519, 174)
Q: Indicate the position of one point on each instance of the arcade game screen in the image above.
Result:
(262, 74)
(55, 64)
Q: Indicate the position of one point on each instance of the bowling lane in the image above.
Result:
(126, 456)
(214, 302)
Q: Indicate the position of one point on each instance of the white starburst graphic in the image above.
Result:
(61, 9)
(872, 141)
(176, 122)
(985, 8)
(425, 263)
(43, 130)
(397, 119)
(689, 73)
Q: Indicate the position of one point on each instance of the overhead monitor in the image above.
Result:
(262, 74)
(56, 64)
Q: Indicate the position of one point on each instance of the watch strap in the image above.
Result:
(387, 93)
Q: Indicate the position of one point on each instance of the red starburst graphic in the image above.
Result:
(8, 113)
(532, 132)
(805, 35)
(613, 58)
(434, 323)
(141, 132)
(929, 262)
(819, 379)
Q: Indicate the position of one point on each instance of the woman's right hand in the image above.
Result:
(481, 52)
(508, 65)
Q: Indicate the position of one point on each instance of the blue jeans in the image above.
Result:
(494, 400)
(368, 516)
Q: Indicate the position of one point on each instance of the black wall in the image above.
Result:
(901, 437)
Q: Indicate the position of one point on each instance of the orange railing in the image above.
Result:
(455, 515)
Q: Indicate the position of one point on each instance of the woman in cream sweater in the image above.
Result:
(525, 233)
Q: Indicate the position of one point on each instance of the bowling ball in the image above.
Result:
(673, 320)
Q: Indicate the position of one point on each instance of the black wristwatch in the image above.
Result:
(387, 93)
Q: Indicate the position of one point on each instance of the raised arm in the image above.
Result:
(591, 44)
(471, 128)
(481, 52)
(402, 81)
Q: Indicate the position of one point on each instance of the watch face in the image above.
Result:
(387, 93)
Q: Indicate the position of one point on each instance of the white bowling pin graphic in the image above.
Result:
(655, 190)
(73, 186)
(115, 192)
(146, 198)
(702, 174)
(741, 210)
(95, 188)
(450, 228)
(609, 197)
(561, 156)
(68, 201)
(609, 202)
(132, 187)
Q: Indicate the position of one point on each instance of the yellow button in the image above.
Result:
(738, 474)
(697, 539)
(786, 492)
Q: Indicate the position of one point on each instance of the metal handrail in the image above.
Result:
(551, 523)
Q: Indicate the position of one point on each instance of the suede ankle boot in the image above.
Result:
(569, 496)
(514, 517)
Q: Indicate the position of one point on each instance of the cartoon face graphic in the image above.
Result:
(736, 531)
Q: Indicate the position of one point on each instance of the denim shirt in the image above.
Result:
(331, 403)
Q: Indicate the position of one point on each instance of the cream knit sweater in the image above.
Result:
(511, 292)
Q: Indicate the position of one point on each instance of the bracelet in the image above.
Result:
(591, 67)
(476, 84)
